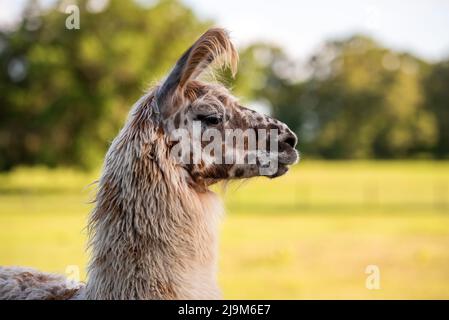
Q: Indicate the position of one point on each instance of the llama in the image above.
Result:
(153, 230)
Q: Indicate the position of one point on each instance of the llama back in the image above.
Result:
(18, 283)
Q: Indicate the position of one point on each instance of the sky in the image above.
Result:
(420, 27)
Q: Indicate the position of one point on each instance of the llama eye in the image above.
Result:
(211, 119)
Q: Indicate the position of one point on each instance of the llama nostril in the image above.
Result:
(291, 140)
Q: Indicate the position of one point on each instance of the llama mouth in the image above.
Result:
(285, 160)
(288, 158)
(282, 169)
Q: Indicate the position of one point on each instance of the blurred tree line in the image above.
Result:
(358, 99)
(65, 93)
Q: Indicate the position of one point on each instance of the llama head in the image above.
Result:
(208, 132)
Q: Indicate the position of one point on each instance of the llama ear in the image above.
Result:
(213, 46)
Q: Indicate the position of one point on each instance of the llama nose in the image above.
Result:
(290, 139)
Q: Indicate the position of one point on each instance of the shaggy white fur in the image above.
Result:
(18, 283)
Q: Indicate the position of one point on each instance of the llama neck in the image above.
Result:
(155, 247)
(151, 235)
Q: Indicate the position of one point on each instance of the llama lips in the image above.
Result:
(285, 160)
(288, 158)
(281, 171)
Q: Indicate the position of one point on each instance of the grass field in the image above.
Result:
(310, 234)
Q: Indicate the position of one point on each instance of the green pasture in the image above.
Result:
(310, 234)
